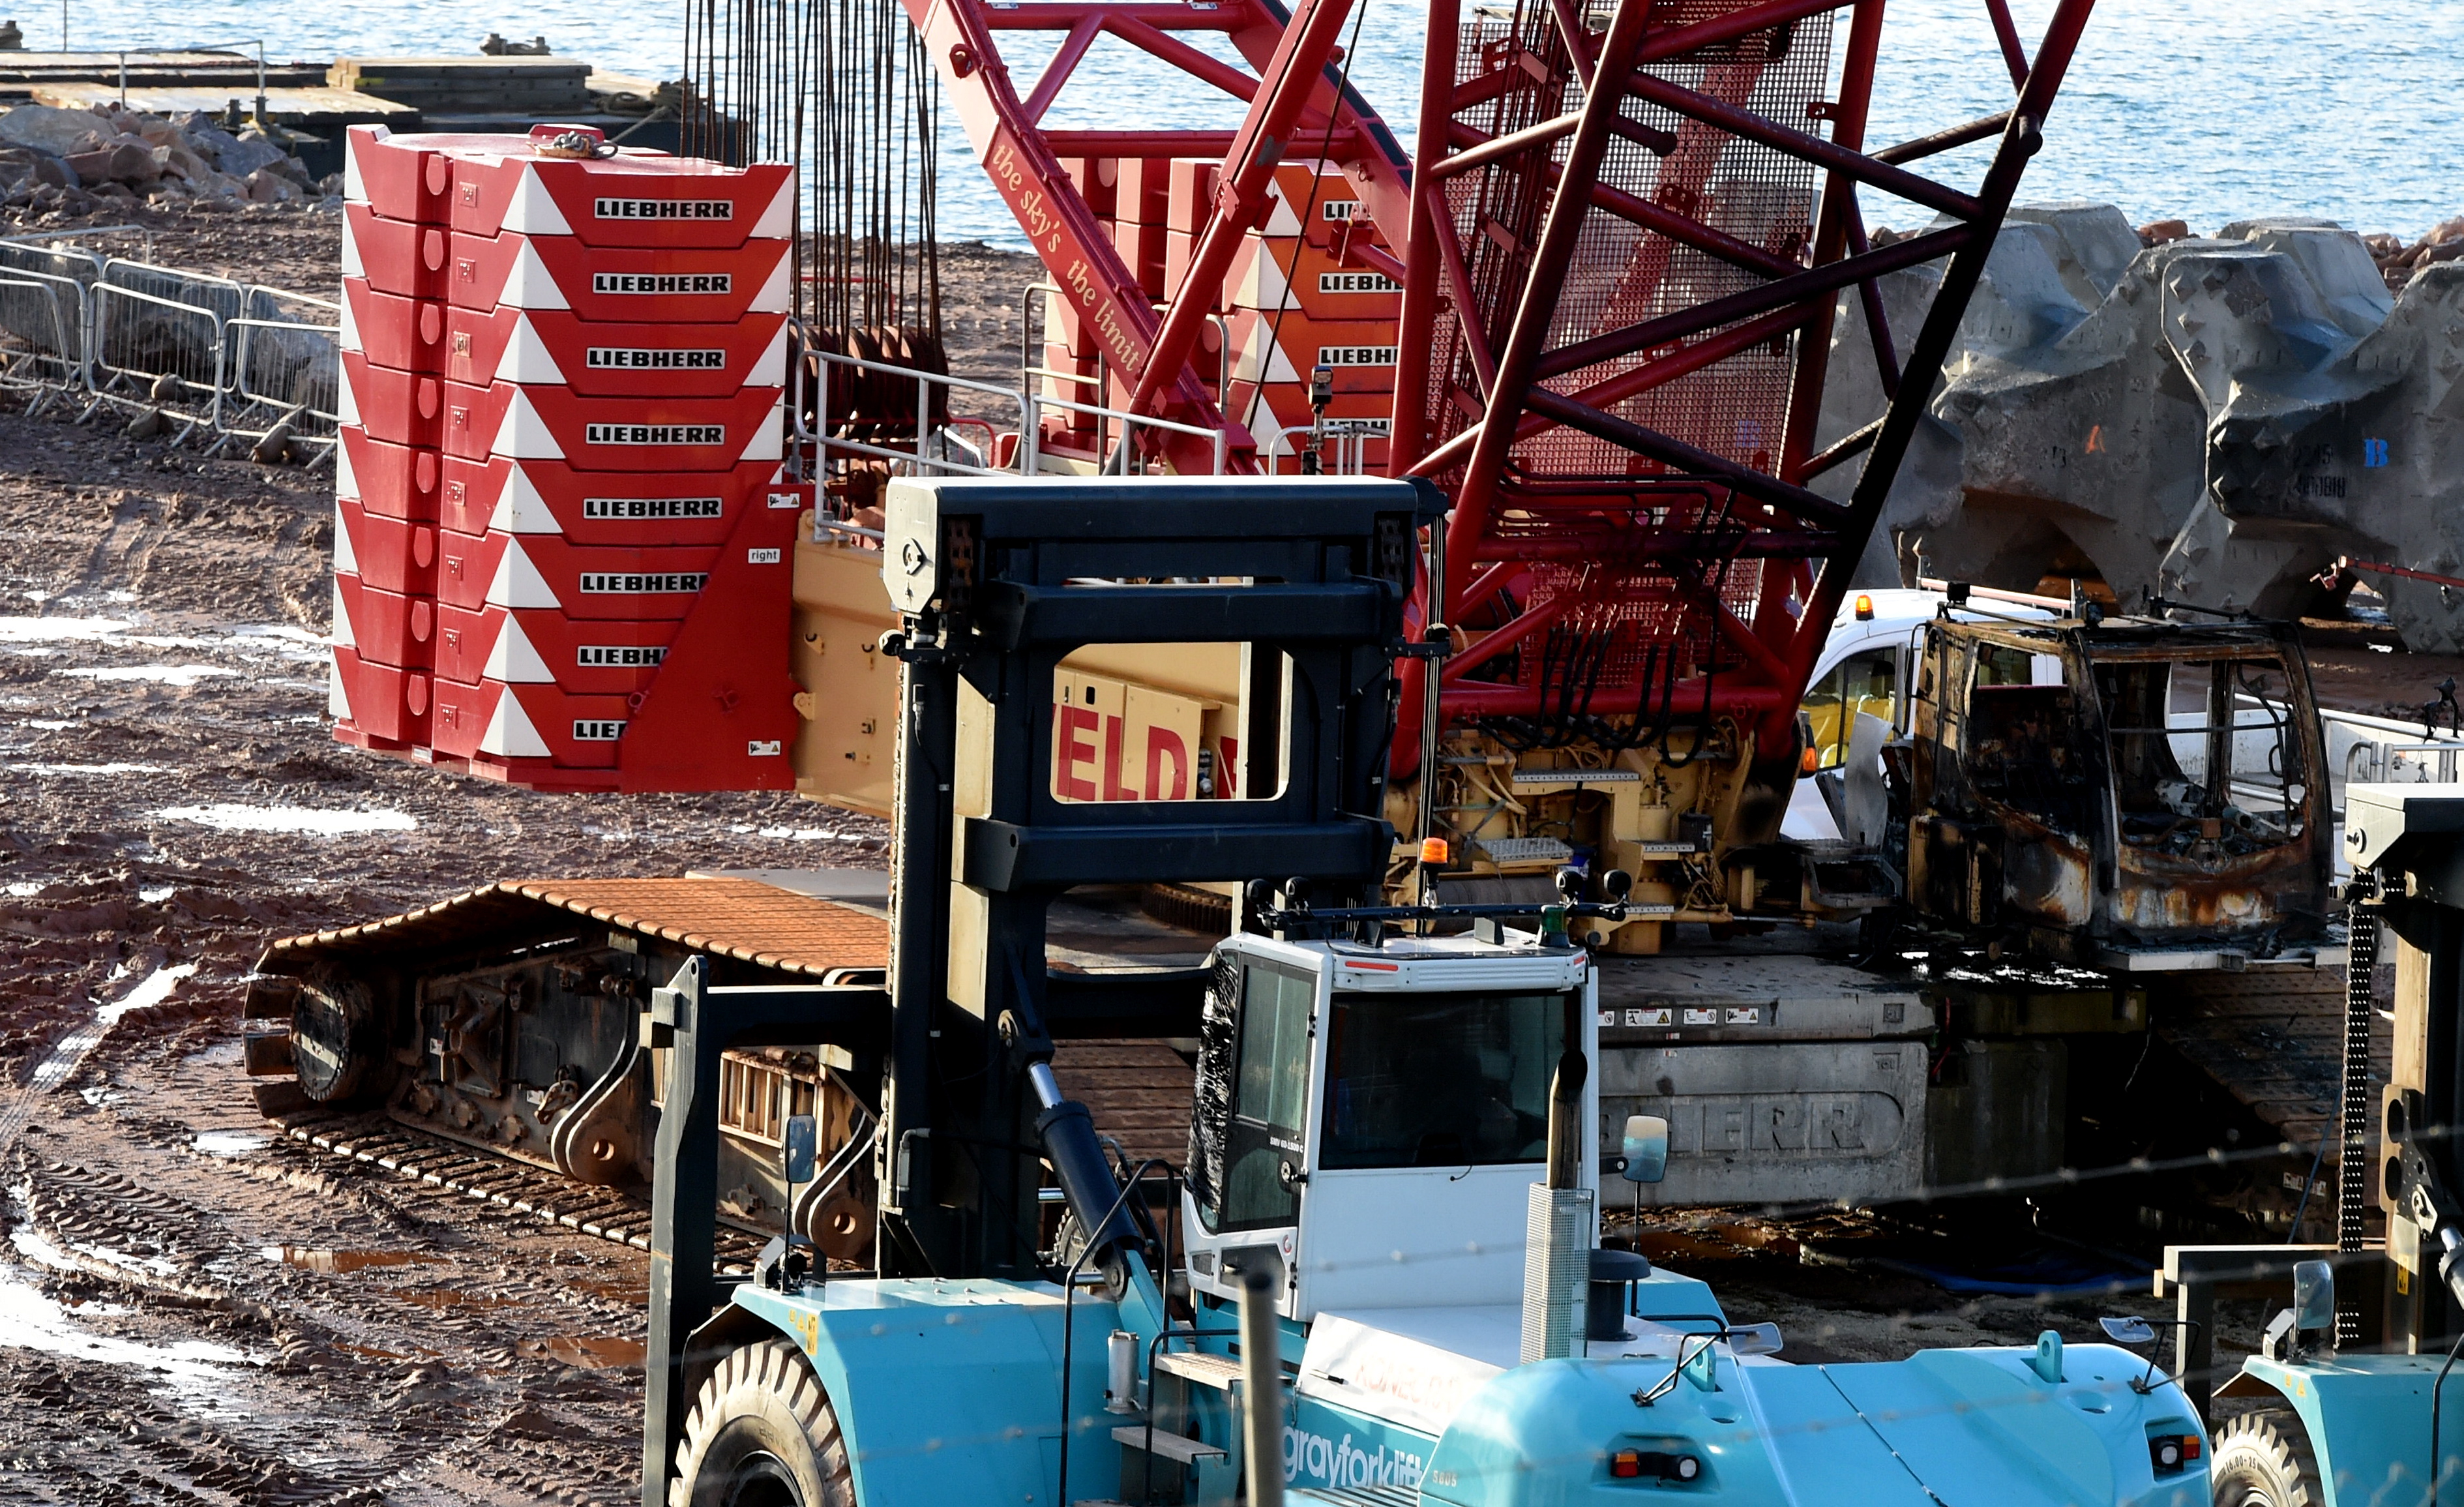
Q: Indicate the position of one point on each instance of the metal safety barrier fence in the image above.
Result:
(215, 360)
(42, 336)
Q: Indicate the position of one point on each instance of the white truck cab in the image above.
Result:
(1866, 666)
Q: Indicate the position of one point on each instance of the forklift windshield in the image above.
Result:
(1428, 1081)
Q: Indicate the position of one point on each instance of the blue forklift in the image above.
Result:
(2342, 1406)
(1376, 1279)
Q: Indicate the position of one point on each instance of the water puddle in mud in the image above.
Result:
(59, 630)
(231, 1143)
(196, 1369)
(298, 819)
(317, 1258)
(91, 768)
(182, 676)
(588, 1352)
(446, 1297)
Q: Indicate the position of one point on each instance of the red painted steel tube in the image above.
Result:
(2019, 142)
(1067, 237)
(1687, 458)
(1065, 62)
(1426, 257)
(1636, 380)
(1839, 231)
(1915, 251)
(1520, 365)
(1729, 698)
(1187, 59)
(1737, 121)
(1265, 139)
(1480, 651)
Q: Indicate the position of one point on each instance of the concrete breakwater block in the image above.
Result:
(2215, 419)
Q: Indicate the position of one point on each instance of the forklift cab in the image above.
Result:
(1359, 1104)
(2352, 1398)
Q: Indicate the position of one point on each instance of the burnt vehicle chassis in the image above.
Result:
(2125, 794)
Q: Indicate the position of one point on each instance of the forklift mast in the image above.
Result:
(994, 583)
(2406, 843)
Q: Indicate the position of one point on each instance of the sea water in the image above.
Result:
(2203, 110)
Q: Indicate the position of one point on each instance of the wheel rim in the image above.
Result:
(762, 1479)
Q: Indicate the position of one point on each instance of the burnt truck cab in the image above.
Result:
(2136, 795)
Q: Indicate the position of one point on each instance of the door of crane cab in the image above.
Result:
(1371, 1119)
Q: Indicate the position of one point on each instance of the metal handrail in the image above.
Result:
(1102, 382)
(2379, 757)
(924, 385)
(1350, 445)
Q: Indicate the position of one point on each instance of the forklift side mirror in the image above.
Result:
(1646, 1148)
(802, 1147)
(2128, 1330)
(1754, 1339)
(2314, 1296)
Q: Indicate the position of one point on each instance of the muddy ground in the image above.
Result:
(194, 1313)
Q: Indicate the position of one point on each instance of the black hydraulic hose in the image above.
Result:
(1069, 1319)
(2434, 1473)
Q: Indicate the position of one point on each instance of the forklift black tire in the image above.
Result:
(761, 1434)
(2262, 1459)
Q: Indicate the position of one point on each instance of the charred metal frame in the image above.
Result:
(1294, 109)
(1676, 517)
(1957, 836)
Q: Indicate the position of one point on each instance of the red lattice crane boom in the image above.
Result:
(1617, 319)
(1622, 245)
(1295, 107)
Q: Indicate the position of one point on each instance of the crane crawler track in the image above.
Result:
(374, 1141)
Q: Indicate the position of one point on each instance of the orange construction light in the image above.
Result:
(1433, 852)
(1865, 607)
(1810, 761)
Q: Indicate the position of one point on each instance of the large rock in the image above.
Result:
(49, 128)
(127, 159)
(248, 152)
(23, 164)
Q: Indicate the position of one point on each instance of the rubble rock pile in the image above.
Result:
(2398, 262)
(107, 159)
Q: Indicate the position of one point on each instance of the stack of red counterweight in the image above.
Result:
(564, 546)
